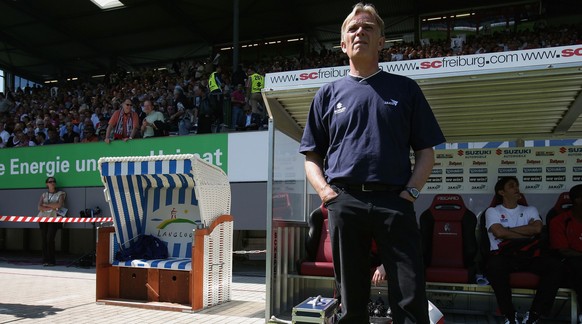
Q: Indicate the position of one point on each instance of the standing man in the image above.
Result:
(255, 83)
(216, 97)
(357, 143)
(204, 109)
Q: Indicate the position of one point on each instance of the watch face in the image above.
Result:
(413, 192)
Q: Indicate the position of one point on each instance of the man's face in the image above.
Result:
(362, 37)
(127, 106)
(511, 191)
(147, 107)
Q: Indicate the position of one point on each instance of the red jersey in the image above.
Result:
(566, 232)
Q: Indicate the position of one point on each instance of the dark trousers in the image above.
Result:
(216, 102)
(48, 233)
(574, 270)
(549, 269)
(204, 124)
(355, 218)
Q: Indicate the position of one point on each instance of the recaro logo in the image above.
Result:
(448, 198)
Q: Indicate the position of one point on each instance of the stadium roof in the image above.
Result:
(47, 39)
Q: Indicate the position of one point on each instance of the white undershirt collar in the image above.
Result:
(366, 78)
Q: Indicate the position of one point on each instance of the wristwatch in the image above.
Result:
(413, 192)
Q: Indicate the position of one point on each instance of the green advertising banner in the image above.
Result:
(75, 165)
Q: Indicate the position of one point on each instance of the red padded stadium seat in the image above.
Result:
(562, 204)
(319, 258)
(449, 241)
(527, 280)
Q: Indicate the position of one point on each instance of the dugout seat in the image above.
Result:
(526, 280)
(318, 261)
(562, 204)
(449, 241)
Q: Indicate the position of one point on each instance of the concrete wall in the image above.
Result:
(249, 207)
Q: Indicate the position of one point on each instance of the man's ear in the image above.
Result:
(381, 42)
(343, 46)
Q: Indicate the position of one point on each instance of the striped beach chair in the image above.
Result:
(185, 202)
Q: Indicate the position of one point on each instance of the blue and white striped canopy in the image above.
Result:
(139, 187)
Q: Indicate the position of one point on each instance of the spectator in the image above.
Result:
(96, 117)
(70, 135)
(103, 122)
(30, 127)
(26, 140)
(148, 127)
(89, 135)
(124, 123)
(204, 111)
(40, 127)
(14, 140)
(239, 76)
(183, 112)
(249, 120)
(53, 137)
(86, 122)
(511, 221)
(102, 134)
(4, 135)
(63, 126)
(40, 138)
(237, 101)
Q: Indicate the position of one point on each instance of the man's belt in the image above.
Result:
(369, 187)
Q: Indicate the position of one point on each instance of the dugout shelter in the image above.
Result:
(520, 96)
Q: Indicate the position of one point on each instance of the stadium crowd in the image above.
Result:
(196, 96)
